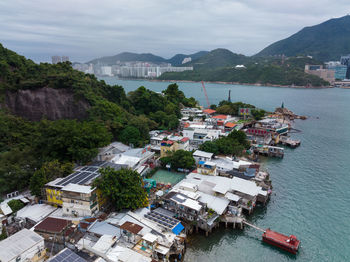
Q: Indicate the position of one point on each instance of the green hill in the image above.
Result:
(218, 58)
(176, 60)
(126, 57)
(326, 41)
(219, 65)
(54, 113)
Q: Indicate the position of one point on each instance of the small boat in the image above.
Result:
(287, 243)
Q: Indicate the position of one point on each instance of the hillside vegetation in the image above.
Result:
(25, 146)
(219, 65)
(176, 60)
(326, 41)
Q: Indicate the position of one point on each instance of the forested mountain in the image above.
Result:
(326, 41)
(127, 57)
(51, 113)
(176, 60)
(220, 65)
(219, 58)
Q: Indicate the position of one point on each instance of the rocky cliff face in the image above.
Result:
(49, 103)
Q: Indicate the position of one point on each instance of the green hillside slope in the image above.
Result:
(326, 41)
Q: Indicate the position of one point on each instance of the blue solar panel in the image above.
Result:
(67, 255)
(68, 178)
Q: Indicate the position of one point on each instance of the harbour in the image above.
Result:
(295, 205)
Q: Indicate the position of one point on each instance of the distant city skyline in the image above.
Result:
(85, 29)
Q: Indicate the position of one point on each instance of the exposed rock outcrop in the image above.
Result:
(49, 103)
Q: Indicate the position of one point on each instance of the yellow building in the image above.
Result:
(166, 147)
(83, 176)
(53, 195)
(207, 168)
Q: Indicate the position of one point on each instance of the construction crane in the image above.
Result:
(206, 95)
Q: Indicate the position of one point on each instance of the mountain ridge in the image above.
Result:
(176, 60)
(325, 41)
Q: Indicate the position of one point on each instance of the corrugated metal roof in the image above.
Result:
(6, 210)
(131, 227)
(17, 244)
(203, 154)
(104, 228)
(53, 225)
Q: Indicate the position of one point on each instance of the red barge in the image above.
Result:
(287, 243)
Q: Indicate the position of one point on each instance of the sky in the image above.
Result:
(85, 29)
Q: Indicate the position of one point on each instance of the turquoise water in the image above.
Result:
(311, 195)
(165, 177)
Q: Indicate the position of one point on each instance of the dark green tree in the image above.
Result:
(123, 188)
(209, 146)
(131, 135)
(15, 205)
(70, 140)
(49, 171)
(258, 114)
(182, 159)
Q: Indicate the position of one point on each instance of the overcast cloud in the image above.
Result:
(85, 29)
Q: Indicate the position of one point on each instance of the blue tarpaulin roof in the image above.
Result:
(250, 172)
(201, 162)
(177, 229)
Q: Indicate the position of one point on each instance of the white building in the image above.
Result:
(134, 158)
(108, 152)
(25, 245)
(202, 156)
(106, 70)
(186, 60)
(198, 135)
(225, 164)
(79, 200)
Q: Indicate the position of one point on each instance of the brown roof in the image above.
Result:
(131, 227)
(53, 225)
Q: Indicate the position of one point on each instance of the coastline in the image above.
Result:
(243, 84)
(228, 83)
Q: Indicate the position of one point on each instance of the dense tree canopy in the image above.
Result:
(179, 159)
(258, 114)
(49, 171)
(26, 147)
(217, 66)
(229, 108)
(234, 144)
(123, 188)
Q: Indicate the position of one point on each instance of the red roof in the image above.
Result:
(169, 142)
(185, 139)
(131, 227)
(53, 225)
(209, 111)
(84, 225)
(220, 123)
(186, 125)
(90, 219)
(220, 117)
(229, 124)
